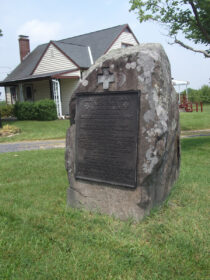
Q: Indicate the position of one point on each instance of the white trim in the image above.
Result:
(75, 73)
(57, 96)
(181, 83)
(90, 54)
(177, 85)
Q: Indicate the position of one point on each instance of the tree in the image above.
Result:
(191, 17)
(199, 95)
(1, 33)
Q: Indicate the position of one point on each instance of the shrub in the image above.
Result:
(43, 110)
(46, 110)
(25, 111)
(6, 110)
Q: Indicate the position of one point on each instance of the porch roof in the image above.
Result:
(35, 77)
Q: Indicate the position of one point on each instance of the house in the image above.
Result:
(52, 70)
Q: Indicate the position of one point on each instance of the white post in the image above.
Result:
(57, 96)
(59, 99)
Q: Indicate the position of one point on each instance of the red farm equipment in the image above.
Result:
(189, 106)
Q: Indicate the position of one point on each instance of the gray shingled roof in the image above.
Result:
(25, 68)
(76, 48)
(77, 53)
(98, 41)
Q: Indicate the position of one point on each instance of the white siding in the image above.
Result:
(125, 37)
(8, 95)
(41, 90)
(75, 73)
(67, 88)
(52, 61)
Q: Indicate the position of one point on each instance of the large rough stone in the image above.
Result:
(144, 68)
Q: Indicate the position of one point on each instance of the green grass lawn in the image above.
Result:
(41, 238)
(196, 120)
(38, 130)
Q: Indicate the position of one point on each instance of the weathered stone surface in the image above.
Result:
(146, 69)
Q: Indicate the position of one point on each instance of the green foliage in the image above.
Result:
(205, 94)
(1, 33)
(191, 17)
(25, 111)
(46, 110)
(193, 95)
(41, 110)
(6, 110)
(199, 95)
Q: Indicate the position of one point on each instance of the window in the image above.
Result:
(28, 92)
(125, 45)
(13, 92)
(13, 95)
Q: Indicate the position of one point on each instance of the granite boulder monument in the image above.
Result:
(122, 148)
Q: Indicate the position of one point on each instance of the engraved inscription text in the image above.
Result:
(106, 138)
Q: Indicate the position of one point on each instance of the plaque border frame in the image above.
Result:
(106, 182)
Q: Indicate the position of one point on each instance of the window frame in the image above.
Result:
(126, 45)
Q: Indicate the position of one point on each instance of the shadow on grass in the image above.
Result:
(194, 143)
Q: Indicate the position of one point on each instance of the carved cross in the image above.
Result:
(105, 78)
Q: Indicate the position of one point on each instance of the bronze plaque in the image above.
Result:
(106, 137)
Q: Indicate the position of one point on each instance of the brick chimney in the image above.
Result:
(24, 46)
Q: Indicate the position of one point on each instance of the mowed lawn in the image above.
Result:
(41, 238)
(195, 120)
(38, 130)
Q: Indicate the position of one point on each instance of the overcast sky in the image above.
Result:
(57, 19)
